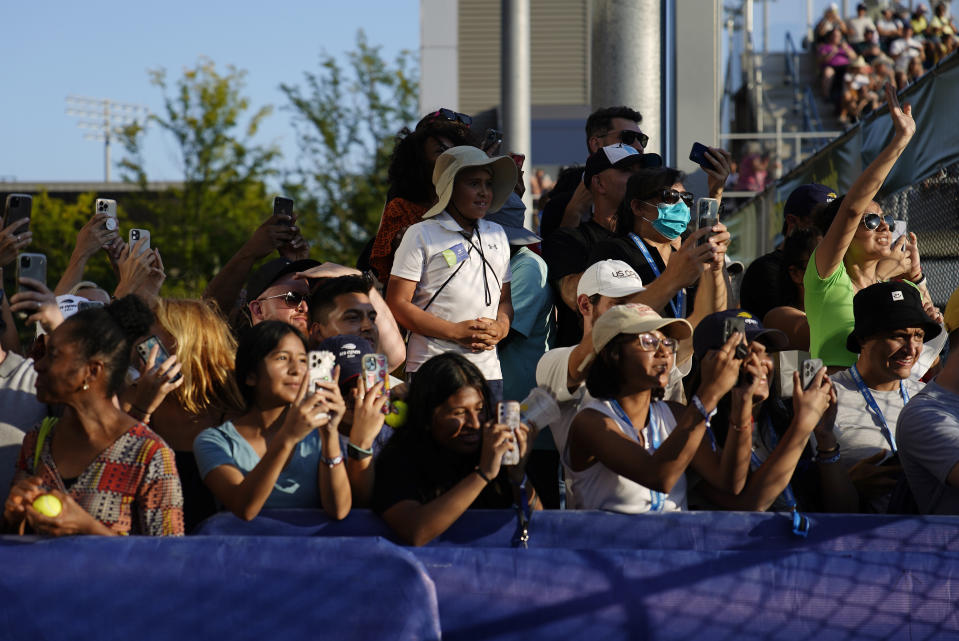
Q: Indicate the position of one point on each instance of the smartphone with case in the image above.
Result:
(31, 266)
(736, 324)
(143, 351)
(708, 216)
(787, 363)
(376, 370)
(140, 234)
(493, 137)
(283, 206)
(810, 367)
(508, 413)
(320, 364)
(109, 207)
(17, 207)
(698, 155)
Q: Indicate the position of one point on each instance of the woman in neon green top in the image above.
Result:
(856, 239)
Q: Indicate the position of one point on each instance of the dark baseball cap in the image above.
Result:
(270, 272)
(618, 156)
(709, 332)
(804, 198)
(888, 306)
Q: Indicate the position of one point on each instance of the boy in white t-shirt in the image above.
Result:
(450, 279)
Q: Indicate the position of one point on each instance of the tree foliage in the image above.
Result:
(198, 226)
(346, 121)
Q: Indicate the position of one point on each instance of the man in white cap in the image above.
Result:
(602, 286)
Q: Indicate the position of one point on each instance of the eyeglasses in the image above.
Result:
(671, 197)
(872, 221)
(452, 116)
(651, 343)
(292, 299)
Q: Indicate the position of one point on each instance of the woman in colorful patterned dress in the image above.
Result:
(111, 474)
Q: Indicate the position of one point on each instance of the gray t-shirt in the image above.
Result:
(19, 410)
(928, 433)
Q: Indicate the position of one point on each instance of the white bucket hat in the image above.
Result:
(455, 159)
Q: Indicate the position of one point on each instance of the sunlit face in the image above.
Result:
(645, 364)
(766, 365)
(614, 135)
(272, 304)
(61, 369)
(279, 375)
(353, 315)
(604, 304)
(457, 423)
(472, 193)
(895, 352)
(876, 243)
(645, 211)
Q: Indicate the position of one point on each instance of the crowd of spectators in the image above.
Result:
(648, 383)
(889, 44)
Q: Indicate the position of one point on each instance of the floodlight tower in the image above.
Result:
(104, 118)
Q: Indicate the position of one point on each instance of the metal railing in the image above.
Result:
(779, 136)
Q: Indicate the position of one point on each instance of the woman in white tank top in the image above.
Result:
(618, 466)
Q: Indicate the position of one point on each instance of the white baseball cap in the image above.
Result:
(611, 278)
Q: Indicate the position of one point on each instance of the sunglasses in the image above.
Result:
(292, 299)
(872, 221)
(628, 137)
(671, 197)
(452, 116)
(651, 343)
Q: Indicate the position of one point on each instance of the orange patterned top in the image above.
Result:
(132, 487)
(397, 216)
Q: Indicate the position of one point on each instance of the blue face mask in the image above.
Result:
(672, 220)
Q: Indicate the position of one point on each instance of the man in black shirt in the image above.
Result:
(762, 288)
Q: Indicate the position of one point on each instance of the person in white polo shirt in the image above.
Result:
(450, 279)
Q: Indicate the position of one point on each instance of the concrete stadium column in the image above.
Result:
(627, 62)
(515, 84)
(439, 55)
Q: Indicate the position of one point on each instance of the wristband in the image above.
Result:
(482, 476)
(357, 452)
(332, 462)
(922, 279)
(827, 456)
(698, 404)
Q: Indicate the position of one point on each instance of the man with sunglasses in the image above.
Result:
(604, 127)
(275, 294)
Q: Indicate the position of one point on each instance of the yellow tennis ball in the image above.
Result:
(48, 505)
(397, 416)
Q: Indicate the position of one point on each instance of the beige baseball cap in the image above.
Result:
(634, 318)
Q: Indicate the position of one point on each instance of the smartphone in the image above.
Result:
(320, 363)
(507, 413)
(31, 266)
(284, 206)
(493, 137)
(736, 324)
(143, 351)
(519, 159)
(787, 363)
(810, 367)
(136, 235)
(376, 370)
(708, 209)
(898, 230)
(18, 207)
(88, 304)
(698, 155)
(108, 207)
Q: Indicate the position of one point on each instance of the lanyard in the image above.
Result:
(801, 524)
(874, 407)
(479, 249)
(678, 305)
(655, 498)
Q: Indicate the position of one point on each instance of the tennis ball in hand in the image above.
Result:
(397, 416)
(48, 505)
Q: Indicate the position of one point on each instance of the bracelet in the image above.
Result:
(144, 417)
(357, 452)
(922, 279)
(829, 459)
(332, 462)
(745, 427)
(702, 409)
(481, 475)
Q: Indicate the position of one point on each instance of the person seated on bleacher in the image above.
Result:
(782, 476)
(111, 473)
(447, 458)
(891, 328)
(833, 56)
(627, 450)
(284, 451)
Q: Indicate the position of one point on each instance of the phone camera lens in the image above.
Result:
(24, 261)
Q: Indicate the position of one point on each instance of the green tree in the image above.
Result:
(346, 122)
(199, 225)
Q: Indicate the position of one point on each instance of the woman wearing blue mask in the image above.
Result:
(651, 220)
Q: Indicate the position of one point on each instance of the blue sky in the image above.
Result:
(104, 48)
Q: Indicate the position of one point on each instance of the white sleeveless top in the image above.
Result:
(599, 488)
